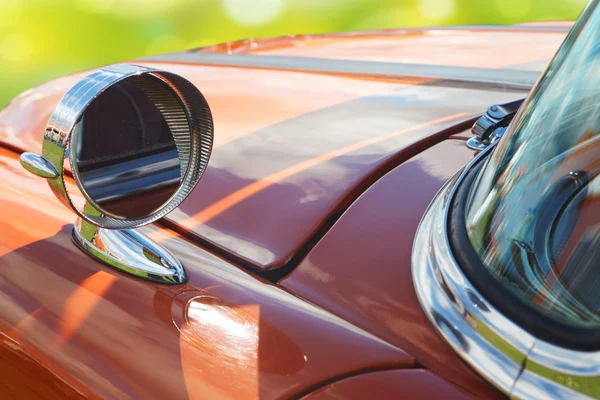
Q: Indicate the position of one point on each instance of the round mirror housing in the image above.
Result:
(136, 141)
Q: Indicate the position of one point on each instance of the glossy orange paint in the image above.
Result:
(242, 101)
(484, 47)
(244, 193)
(413, 384)
(71, 325)
(296, 173)
(301, 167)
(291, 149)
(82, 302)
(281, 154)
(361, 269)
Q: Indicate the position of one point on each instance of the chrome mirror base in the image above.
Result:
(129, 251)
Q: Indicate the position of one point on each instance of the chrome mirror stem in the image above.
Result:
(129, 251)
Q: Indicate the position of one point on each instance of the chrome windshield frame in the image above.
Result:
(509, 357)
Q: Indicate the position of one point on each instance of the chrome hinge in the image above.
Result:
(490, 127)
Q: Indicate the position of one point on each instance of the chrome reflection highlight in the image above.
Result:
(509, 357)
(38, 165)
(193, 137)
(484, 338)
(476, 144)
(230, 333)
(129, 251)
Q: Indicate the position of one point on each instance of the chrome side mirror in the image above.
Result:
(137, 141)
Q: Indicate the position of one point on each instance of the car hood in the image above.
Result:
(304, 124)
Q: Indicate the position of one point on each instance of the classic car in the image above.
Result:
(407, 213)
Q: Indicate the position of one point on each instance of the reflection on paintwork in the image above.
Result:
(244, 344)
(293, 160)
(284, 119)
(81, 303)
(361, 268)
(237, 334)
(25, 362)
(441, 46)
(408, 384)
(214, 330)
(127, 345)
(262, 255)
(122, 341)
(260, 185)
(248, 246)
(206, 314)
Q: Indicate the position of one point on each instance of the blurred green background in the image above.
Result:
(44, 39)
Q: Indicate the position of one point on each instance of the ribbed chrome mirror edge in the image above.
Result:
(195, 148)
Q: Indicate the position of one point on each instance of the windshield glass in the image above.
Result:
(534, 213)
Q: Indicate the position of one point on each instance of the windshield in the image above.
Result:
(534, 213)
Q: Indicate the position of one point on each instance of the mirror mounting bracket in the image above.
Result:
(129, 251)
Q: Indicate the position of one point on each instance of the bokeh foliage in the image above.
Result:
(44, 39)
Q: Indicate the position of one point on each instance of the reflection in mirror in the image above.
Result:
(124, 149)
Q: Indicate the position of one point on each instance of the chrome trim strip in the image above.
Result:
(474, 329)
(507, 79)
(509, 357)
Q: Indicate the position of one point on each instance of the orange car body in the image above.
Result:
(297, 240)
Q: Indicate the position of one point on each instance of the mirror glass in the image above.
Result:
(123, 148)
